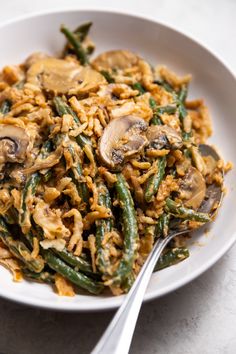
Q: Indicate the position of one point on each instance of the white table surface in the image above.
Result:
(199, 318)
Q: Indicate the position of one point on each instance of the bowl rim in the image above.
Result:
(117, 301)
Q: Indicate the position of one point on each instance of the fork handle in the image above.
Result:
(118, 335)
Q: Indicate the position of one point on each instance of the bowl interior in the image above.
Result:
(159, 45)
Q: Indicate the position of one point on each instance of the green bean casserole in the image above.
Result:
(98, 159)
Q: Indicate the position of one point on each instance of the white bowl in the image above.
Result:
(159, 44)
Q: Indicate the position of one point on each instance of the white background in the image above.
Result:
(199, 318)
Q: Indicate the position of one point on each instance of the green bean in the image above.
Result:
(77, 278)
(107, 76)
(157, 111)
(74, 261)
(180, 211)
(169, 109)
(29, 238)
(156, 120)
(128, 282)
(29, 190)
(5, 107)
(154, 181)
(82, 31)
(186, 136)
(152, 103)
(130, 230)
(139, 87)
(165, 224)
(11, 216)
(19, 249)
(75, 43)
(106, 201)
(162, 225)
(182, 115)
(171, 257)
(44, 152)
(8, 218)
(45, 149)
(182, 112)
(182, 94)
(63, 108)
(164, 84)
(76, 172)
(42, 277)
(103, 226)
(47, 176)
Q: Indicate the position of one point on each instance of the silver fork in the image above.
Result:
(118, 336)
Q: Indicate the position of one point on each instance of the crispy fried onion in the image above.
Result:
(50, 221)
(58, 244)
(6, 200)
(47, 162)
(35, 252)
(93, 168)
(92, 186)
(109, 177)
(92, 247)
(63, 286)
(152, 170)
(76, 240)
(8, 261)
(67, 187)
(90, 218)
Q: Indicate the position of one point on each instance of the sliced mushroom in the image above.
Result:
(163, 136)
(193, 188)
(115, 60)
(61, 76)
(33, 58)
(115, 90)
(13, 143)
(89, 81)
(123, 137)
(198, 160)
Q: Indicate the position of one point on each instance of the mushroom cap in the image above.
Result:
(122, 138)
(115, 59)
(62, 76)
(13, 143)
(160, 136)
(193, 188)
